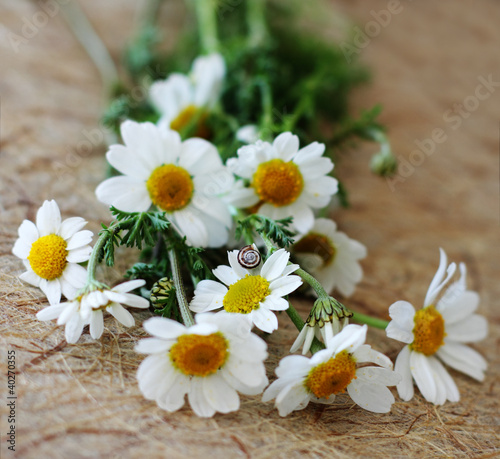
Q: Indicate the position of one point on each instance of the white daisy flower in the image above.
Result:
(51, 251)
(181, 98)
(210, 362)
(285, 181)
(333, 371)
(437, 332)
(327, 318)
(88, 308)
(184, 179)
(248, 133)
(253, 292)
(331, 256)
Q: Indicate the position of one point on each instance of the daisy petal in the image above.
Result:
(124, 193)
(52, 290)
(371, 396)
(28, 232)
(446, 382)
(79, 240)
(220, 395)
(198, 401)
(48, 218)
(405, 387)
(226, 275)
(164, 328)
(350, 338)
(292, 397)
(285, 285)
(475, 328)
(79, 255)
(71, 226)
(128, 286)
(121, 314)
(192, 227)
(365, 353)
(51, 312)
(275, 265)
(21, 249)
(96, 324)
(265, 320)
(31, 278)
(464, 359)
(74, 329)
(402, 313)
(422, 373)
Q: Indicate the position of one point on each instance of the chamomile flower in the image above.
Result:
(88, 309)
(332, 371)
(436, 333)
(285, 181)
(327, 318)
(182, 99)
(51, 250)
(331, 256)
(210, 361)
(184, 179)
(254, 292)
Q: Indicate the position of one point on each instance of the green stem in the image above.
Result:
(256, 20)
(207, 23)
(187, 317)
(93, 262)
(314, 283)
(265, 129)
(371, 321)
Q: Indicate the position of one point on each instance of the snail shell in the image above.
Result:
(249, 257)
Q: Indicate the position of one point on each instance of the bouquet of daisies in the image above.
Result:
(223, 178)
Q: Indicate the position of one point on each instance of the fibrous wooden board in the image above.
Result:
(82, 401)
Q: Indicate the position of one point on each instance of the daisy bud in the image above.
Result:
(327, 318)
(384, 163)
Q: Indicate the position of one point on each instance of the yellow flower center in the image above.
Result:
(428, 331)
(317, 244)
(277, 182)
(192, 114)
(47, 256)
(333, 376)
(199, 355)
(245, 295)
(170, 187)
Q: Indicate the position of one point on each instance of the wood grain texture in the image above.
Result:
(83, 401)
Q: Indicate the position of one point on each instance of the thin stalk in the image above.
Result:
(256, 20)
(96, 250)
(207, 24)
(371, 321)
(187, 317)
(93, 45)
(267, 108)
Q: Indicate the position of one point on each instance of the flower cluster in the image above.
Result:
(175, 193)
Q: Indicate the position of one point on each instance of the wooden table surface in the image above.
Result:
(436, 69)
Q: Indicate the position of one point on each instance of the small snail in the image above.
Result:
(249, 257)
(161, 291)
